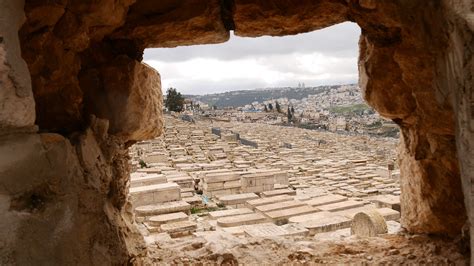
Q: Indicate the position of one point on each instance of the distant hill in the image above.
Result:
(243, 97)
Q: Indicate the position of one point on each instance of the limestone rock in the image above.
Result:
(430, 181)
(48, 201)
(17, 107)
(140, 116)
(431, 199)
(65, 29)
(130, 99)
(276, 18)
(173, 23)
(369, 4)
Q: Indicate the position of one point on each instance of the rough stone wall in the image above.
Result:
(399, 78)
(458, 72)
(63, 203)
(17, 107)
(63, 197)
(63, 191)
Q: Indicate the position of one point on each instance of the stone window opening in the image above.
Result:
(75, 97)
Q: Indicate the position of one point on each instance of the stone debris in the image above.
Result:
(265, 230)
(180, 228)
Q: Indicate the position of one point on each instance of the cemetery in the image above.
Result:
(199, 177)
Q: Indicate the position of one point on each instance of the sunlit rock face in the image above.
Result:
(400, 78)
(72, 68)
(128, 94)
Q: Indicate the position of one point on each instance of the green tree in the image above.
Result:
(270, 107)
(265, 108)
(292, 110)
(174, 100)
(289, 114)
(277, 106)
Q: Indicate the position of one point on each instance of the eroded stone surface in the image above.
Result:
(423, 109)
(128, 94)
(173, 23)
(17, 107)
(257, 18)
(51, 201)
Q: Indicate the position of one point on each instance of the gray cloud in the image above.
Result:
(327, 56)
(200, 86)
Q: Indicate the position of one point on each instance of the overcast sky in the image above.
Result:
(323, 57)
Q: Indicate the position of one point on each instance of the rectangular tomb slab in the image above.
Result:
(167, 218)
(340, 206)
(221, 177)
(309, 217)
(163, 208)
(231, 212)
(350, 213)
(282, 216)
(152, 170)
(244, 219)
(265, 230)
(327, 224)
(237, 198)
(157, 193)
(147, 180)
(277, 192)
(389, 214)
(263, 201)
(280, 206)
(327, 199)
(387, 201)
(154, 188)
